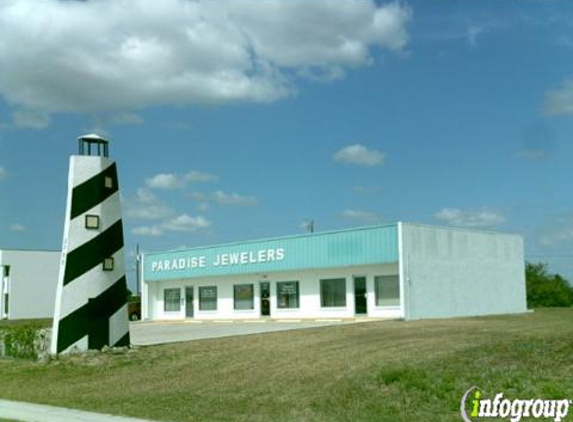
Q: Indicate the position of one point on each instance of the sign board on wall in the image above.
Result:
(363, 246)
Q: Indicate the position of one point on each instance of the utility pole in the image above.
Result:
(310, 226)
(137, 270)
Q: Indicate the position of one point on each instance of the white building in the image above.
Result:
(28, 283)
(401, 270)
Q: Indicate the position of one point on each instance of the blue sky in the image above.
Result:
(239, 120)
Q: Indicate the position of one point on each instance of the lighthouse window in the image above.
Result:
(92, 222)
(108, 264)
(108, 182)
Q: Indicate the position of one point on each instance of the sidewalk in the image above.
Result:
(28, 412)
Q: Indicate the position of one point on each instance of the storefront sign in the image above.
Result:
(220, 260)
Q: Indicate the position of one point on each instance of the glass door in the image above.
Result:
(360, 305)
(189, 302)
(265, 298)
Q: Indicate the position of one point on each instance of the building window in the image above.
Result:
(387, 289)
(6, 270)
(108, 264)
(287, 294)
(208, 298)
(244, 296)
(92, 221)
(108, 181)
(172, 300)
(333, 292)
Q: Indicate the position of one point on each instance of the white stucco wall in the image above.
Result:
(31, 284)
(451, 272)
(309, 295)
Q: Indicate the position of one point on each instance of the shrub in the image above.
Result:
(24, 341)
(545, 289)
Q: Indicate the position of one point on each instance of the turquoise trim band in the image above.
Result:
(363, 246)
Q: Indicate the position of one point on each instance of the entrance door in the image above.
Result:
(189, 302)
(360, 306)
(265, 298)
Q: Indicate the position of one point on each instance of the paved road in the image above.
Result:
(147, 333)
(28, 412)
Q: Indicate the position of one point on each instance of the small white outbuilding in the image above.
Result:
(28, 283)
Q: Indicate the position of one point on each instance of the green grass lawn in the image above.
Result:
(375, 371)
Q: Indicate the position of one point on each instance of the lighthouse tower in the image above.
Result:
(91, 296)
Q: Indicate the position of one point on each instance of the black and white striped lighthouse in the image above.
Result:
(91, 297)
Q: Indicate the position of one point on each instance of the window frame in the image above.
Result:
(322, 298)
(252, 286)
(394, 278)
(201, 288)
(107, 261)
(165, 302)
(278, 284)
(92, 217)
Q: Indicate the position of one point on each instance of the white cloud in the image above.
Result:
(164, 181)
(147, 207)
(560, 101)
(470, 218)
(186, 223)
(364, 216)
(197, 176)
(181, 52)
(16, 227)
(148, 231)
(174, 181)
(3, 173)
(359, 155)
(31, 119)
(223, 198)
(145, 197)
(181, 223)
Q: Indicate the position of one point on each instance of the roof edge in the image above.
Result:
(268, 239)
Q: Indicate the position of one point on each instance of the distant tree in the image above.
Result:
(545, 289)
